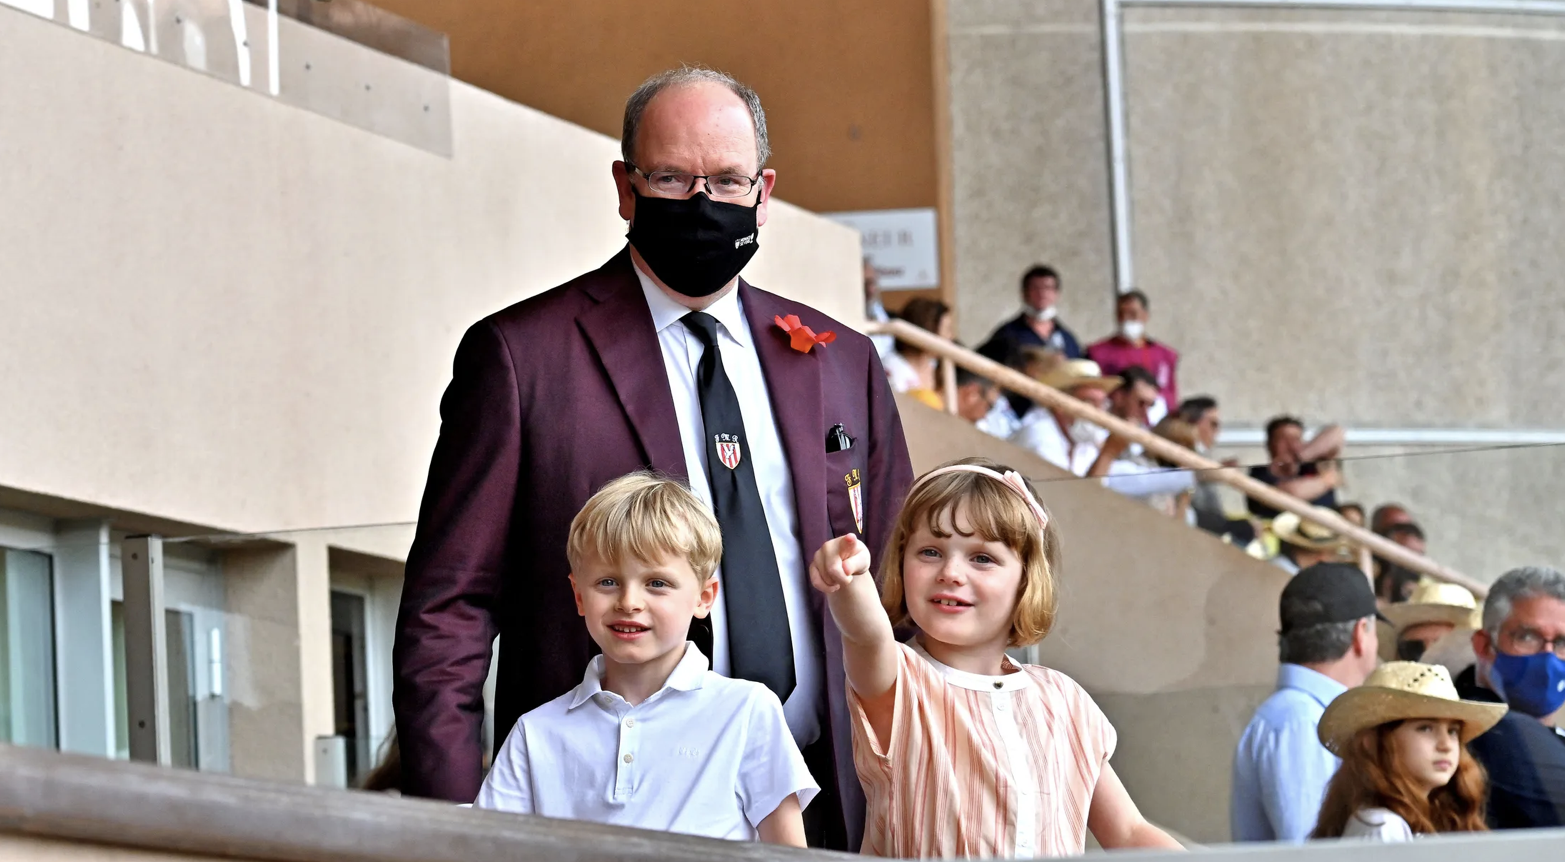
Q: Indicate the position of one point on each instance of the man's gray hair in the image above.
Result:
(1527, 582)
(636, 105)
(1316, 644)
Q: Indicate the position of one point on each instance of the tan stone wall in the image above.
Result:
(224, 310)
(1347, 215)
(1029, 159)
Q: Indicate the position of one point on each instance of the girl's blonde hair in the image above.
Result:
(994, 512)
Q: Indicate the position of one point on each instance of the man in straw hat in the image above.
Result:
(1302, 544)
(1434, 610)
(1521, 662)
(1416, 700)
(1054, 435)
(1326, 645)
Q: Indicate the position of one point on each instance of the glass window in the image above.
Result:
(350, 703)
(27, 693)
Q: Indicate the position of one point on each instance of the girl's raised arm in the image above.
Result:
(841, 571)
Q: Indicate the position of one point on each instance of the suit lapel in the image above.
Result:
(794, 381)
(619, 328)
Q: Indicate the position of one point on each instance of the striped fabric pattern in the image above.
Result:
(980, 766)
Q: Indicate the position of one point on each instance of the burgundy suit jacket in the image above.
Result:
(549, 400)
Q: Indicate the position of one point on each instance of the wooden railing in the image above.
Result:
(1015, 381)
(92, 800)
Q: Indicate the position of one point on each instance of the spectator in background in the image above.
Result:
(875, 311)
(1432, 611)
(1521, 662)
(1326, 645)
(1353, 513)
(1302, 544)
(1387, 516)
(1206, 500)
(1038, 325)
(1122, 465)
(1057, 437)
(1296, 466)
(1393, 582)
(1130, 347)
(1201, 412)
(976, 398)
(909, 368)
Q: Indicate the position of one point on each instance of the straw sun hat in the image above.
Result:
(1398, 691)
(1290, 528)
(1067, 374)
(1435, 602)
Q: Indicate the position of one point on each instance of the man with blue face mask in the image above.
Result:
(1521, 662)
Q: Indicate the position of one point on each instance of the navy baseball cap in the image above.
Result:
(1327, 593)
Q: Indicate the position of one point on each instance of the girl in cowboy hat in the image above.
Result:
(962, 751)
(1406, 771)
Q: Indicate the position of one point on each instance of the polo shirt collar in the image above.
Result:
(1012, 681)
(666, 312)
(1317, 685)
(688, 675)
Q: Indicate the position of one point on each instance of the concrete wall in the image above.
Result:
(1028, 159)
(224, 310)
(1171, 631)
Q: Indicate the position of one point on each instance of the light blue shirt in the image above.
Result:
(1281, 769)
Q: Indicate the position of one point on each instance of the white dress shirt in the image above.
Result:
(705, 755)
(682, 352)
(1039, 432)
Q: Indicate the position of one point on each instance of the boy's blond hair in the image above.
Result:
(996, 514)
(646, 516)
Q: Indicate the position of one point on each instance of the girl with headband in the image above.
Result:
(961, 750)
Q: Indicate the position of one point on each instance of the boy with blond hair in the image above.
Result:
(652, 738)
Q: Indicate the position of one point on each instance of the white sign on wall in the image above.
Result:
(902, 245)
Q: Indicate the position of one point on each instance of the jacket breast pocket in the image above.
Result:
(845, 489)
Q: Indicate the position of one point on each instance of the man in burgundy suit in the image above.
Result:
(664, 359)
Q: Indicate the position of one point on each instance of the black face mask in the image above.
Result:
(694, 245)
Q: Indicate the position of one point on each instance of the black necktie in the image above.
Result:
(759, 646)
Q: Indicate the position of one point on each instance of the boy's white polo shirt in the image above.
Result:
(705, 755)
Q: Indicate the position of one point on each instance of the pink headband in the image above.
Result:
(1011, 479)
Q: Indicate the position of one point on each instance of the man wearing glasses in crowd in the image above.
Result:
(662, 359)
(1521, 662)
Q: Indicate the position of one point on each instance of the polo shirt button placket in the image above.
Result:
(625, 770)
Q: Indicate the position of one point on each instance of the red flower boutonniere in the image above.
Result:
(801, 337)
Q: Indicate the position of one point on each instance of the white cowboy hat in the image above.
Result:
(1434, 602)
(1398, 691)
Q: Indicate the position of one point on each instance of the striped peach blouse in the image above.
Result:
(980, 766)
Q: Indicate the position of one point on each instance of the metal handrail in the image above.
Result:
(1015, 381)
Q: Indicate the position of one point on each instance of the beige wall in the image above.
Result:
(1347, 215)
(227, 311)
(1029, 160)
(1171, 631)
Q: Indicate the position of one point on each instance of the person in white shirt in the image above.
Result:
(1055, 436)
(875, 310)
(652, 738)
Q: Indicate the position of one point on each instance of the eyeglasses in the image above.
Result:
(1529, 642)
(673, 184)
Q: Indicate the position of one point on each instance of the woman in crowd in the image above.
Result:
(1406, 771)
(947, 715)
(913, 370)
